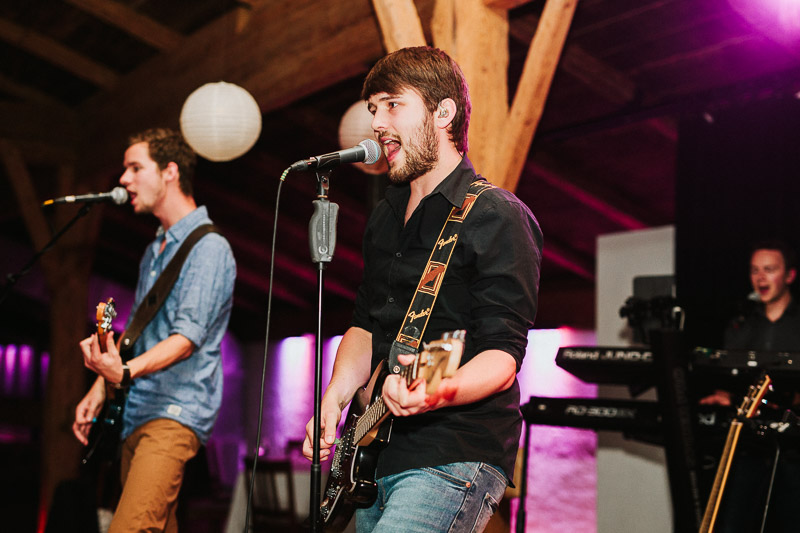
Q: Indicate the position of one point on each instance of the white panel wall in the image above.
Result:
(632, 485)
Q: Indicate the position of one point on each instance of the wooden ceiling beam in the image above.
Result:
(400, 24)
(282, 55)
(505, 4)
(477, 38)
(37, 122)
(56, 53)
(597, 75)
(27, 197)
(27, 93)
(534, 85)
(132, 22)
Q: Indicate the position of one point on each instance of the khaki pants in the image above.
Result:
(153, 461)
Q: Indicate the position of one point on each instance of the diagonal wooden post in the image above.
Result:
(534, 85)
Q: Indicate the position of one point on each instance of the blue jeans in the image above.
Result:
(459, 497)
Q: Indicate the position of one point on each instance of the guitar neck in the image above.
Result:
(377, 410)
(715, 498)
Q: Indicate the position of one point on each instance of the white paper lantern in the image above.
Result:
(220, 121)
(355, 126)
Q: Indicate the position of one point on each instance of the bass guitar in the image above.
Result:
(748, 409)
(105, 433)
(351, 482)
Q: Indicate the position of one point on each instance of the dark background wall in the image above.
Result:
(738, 182)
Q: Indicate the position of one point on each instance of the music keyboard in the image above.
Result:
(749, 362)
(634, 365)
(606, 364)
(614, 415)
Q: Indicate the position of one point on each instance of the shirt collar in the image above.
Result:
(454, 188)
(791, 310)
(178, 231)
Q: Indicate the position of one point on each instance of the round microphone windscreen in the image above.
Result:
(119, 195)
(373, 150)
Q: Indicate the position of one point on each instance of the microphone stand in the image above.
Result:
(322, 241)
(12, 279)
(523, 483)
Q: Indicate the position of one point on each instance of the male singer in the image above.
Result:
(451, 454)
(175, 375)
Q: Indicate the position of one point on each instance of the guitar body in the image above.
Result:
(351, 483)
(104, 436)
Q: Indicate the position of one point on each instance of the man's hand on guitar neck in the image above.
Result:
(108, 363)
(406, 400)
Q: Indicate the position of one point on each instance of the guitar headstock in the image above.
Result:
(106, 312)
(755, 394)
(439, 359)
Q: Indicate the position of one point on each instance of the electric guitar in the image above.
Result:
(105, 432)
(351, 482)
(748, 409)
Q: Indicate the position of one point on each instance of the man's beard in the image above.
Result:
(421, 154)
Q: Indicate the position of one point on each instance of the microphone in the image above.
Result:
(367, 151)
(118, 195)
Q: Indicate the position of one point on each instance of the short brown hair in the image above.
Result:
(431, 73)
(168, 146)
(778, 245)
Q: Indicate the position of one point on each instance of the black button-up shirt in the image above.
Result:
(757, 332)
(490, 289)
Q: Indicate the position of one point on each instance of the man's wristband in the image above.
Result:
(126, 378)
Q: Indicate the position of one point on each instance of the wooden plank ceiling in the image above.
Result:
(78, 76)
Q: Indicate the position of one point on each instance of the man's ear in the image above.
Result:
(790, 276)
(445, 113)
(171, 172)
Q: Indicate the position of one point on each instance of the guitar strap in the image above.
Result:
(419, 311)
(158, 293)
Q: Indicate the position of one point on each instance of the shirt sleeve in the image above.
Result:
(507, 246)
(205, 292)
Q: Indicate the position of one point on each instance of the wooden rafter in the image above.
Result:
(534, 84)
(27, 198)
(38, 122)
(66, 270)
(505, 4)
(131, 21)
(600, 77)
(400, 24)
(26, 93)
(56, 53)
(298, 66)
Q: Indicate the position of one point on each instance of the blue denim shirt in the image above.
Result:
(198, 307)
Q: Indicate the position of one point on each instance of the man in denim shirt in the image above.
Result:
(175, 374)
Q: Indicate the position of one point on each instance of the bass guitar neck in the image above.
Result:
(748, 409)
